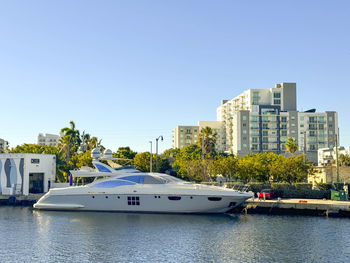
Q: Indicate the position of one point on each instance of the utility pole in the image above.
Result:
(336, 155)
(150, 163)
(161, 139)
(305, 146)
(203, 143)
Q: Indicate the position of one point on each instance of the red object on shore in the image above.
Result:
(269, 194)
(302, 201)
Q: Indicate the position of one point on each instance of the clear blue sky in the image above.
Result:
(128, 71)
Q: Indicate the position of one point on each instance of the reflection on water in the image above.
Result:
(44, 236)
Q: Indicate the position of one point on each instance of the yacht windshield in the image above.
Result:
(144, 179)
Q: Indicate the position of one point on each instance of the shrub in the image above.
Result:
(303, 186)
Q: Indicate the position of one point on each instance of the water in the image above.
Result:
(43, 236)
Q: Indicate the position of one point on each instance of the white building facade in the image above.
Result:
(23, 174)
(48, 139)
(185, 135)
(261, 120)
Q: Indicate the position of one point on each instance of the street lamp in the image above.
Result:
(161, 139)
(150, 163)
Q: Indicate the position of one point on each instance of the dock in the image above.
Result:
(298, 206)
(21, 200)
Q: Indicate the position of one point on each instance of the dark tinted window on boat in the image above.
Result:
(214, 198)
(174, 198)
(133, 200)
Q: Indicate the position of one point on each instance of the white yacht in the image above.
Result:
(129, 190)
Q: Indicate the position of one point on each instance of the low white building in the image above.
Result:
(27, 173)
(326, 156)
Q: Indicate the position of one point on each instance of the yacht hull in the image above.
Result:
(146, 203)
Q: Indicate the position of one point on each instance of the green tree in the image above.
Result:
(209, 140)
(125, 153)
(226, 166)
(344, 159)
(142, 161)
(291, 145)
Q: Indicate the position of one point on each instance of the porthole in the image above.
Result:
(93, 196)
(106, 196)
(174, 198)
(191, 197)
(118, 197)
(214, 198)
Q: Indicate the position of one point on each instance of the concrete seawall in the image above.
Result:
(22, 200)
(298, 206)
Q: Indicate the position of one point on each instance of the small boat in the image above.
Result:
(129, 190)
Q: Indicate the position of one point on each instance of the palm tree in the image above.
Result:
(209, 140)
(73, 132)
(291, 145)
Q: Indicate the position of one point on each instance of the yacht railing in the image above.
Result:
(240, 187)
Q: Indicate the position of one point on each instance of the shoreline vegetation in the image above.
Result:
(198, 163)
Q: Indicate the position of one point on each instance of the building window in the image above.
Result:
(181, 130)
(255, 139)
(244, 131)
(276, 101)
(244, 145)
(321, 126)
(244, 138)
(301, 125)
(293, 124)
(284, 126)
(195, 130)
(312, 147)
(312, 133)
(256, 95)
(330, 118)
(330, 132)
(181, 135)
(188, 131)
(277, 95)
(292, 117)
(330, 126)
(244, 124)
(265, 146)
(265, 133)
(244, 118)
(254, 118)
(293, 131)
(301, 118)
(265, 139)
(254, 147)
(36, 161)
(265, 126)
(283, 119)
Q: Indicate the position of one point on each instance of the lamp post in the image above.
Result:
(150, 163)
(161, 139)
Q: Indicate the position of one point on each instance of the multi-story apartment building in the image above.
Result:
(218, 129)
(3, 145)
(262, 120)
(48, 139)
(185, 135)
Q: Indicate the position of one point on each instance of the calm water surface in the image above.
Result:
(42, 236)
